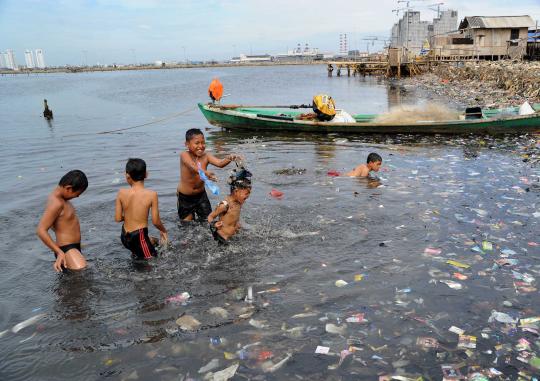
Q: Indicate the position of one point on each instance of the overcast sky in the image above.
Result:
(124, 31)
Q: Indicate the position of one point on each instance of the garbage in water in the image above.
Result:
(28, 322)
(276, 194)
(180, 298)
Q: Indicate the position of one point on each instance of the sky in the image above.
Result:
(79, 32)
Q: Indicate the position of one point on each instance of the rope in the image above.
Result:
(137, 126)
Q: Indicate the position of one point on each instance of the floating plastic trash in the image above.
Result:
(276, 194)
(207, 182)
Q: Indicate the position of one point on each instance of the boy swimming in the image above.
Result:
(374, 162)
(132, 207)
(228, 210)
(60, 215)
(193, 201)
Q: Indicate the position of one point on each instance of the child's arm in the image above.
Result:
(118, 212)
(52, 211)
(192, 165)
(156, 220)
(220, 209)
(220, 163)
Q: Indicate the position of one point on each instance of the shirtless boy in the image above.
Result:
(133, 206)
(61, 217)
(228, 210)
(374, 162)
(193, 201)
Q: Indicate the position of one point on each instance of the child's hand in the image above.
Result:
(163, 238)
(235, 157)
(60, 261)
(218, 224)
(210, 175)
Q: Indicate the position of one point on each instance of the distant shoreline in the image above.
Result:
(84, 69)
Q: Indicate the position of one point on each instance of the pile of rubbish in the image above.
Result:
(486, 84)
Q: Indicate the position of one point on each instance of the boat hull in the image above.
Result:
(233, 118)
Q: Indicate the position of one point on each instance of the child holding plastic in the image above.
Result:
(193, 201)
(228, 211)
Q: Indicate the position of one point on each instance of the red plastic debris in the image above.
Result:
(275, 193)
(333, 173)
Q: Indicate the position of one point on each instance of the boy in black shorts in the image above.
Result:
(133, 206)
(193, 203)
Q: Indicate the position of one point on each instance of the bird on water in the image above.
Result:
(47, 112)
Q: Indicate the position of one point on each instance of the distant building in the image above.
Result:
(343, 44)
(300, 55)
(2, 61)
(414, 34)
(244, 58)
(29, 59)
(10, 60)
(486, 37)
(40, 59)
(445, 23)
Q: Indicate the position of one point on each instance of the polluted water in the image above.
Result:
(427, 271)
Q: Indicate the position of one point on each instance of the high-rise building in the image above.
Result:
(40, 59)
(10, 62)
(2, 61)
(413, 33)
(29, 58)
(343, 45)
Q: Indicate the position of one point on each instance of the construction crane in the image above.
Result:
(374, 39)
(438, 9)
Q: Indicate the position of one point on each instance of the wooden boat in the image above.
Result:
(285, 118)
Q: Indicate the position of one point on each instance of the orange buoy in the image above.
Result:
(215, 90)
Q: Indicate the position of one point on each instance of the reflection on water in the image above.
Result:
(358, 266)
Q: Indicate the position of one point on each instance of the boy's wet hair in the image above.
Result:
(240, 178)
(76, 179)
(136, 169)
(192, 132)
(374, 157)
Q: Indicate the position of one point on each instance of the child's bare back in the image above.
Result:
(136, 203)
(133, 205)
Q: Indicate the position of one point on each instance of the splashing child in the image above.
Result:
(193, 203)
(227, 212)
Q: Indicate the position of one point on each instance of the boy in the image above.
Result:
(193, 201)
(374, 162)
(228, 211)
(132, 207)
(61, 217)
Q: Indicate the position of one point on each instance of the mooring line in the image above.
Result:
(137, 126)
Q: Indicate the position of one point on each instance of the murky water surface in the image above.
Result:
(355, 268)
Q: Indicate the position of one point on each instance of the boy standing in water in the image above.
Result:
(374, 162)
(228, 210)
(193, 201)
(132, 207)
(61, 217)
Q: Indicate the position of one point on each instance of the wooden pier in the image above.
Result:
(397, 63)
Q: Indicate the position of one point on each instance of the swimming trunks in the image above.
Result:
(138, 242)
(66, 248)
(197, 205)
(220, 240)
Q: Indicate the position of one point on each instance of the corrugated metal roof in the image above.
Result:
(494, 22)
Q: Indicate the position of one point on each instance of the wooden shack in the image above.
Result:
(485, 37)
